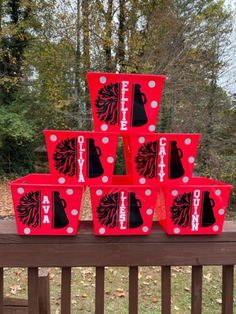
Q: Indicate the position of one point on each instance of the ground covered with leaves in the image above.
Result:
(116, 282)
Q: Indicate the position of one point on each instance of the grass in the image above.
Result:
(116, 289)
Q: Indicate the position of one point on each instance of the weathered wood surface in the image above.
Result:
(88, 250)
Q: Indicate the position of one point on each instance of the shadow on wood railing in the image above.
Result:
(86, 250)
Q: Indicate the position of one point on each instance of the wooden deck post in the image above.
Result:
(86, 250)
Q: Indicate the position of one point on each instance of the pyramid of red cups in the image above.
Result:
(158, 176)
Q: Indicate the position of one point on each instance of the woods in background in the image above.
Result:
(46, 48)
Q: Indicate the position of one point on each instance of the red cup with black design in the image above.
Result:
(198, 207)
(44, 207)
(159, 158)
(122, 208)
(123, 102)
(81, 157)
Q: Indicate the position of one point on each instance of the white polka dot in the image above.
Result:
(215, 228)
(191, 160)
(149, 211)
(110, 160)
(151, 128)
(104, 127)
(27, 231)
(145, 229)
(148, 192)
(99, 192)
(218, 192)
(53, 138)
(174, 192)
(141, 139)
(176, 230)
(154, 104)
(105, 179)
(142, 180)
(187, 141)
(151, 84)
(74, 212)
(69, 230)
(102, 79)
(105, 140)
(102, 230)
(61, 180)
(69, 191)
(221, 211)
(20, 190)
(185, 179)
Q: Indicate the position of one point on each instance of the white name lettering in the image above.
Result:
(46, 208)
(81, 158)
(196, 214)
(162, 154)
(122, 212)
(124, 109)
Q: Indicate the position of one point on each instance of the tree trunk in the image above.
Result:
(120, 56)
(78, 53)
(211, 108)
(108, 37)
(1, 2)
(86, 60)
(1, 52)
(132, 36)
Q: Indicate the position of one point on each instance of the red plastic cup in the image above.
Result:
(122, 102)
(198, 207)
(81, 157)
(122, 208)
(44, 207)
(158, 158)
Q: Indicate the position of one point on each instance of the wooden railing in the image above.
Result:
(86, 250)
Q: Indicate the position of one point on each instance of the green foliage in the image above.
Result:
(16, 138)
(13, 42)
(120, 159)
(16, 157)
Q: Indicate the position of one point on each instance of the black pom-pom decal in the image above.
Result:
(108, 210)
(107, 104)
(29, 209)
(180, 210)
(146, 160)
(65, 157)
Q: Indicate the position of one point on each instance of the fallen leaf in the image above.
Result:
(208, 276)
(219, 301)
(148, 277)
(52, 275)
(154, 300)
(145, 283)
(120, 290)
(15, 288)
(120, 293)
